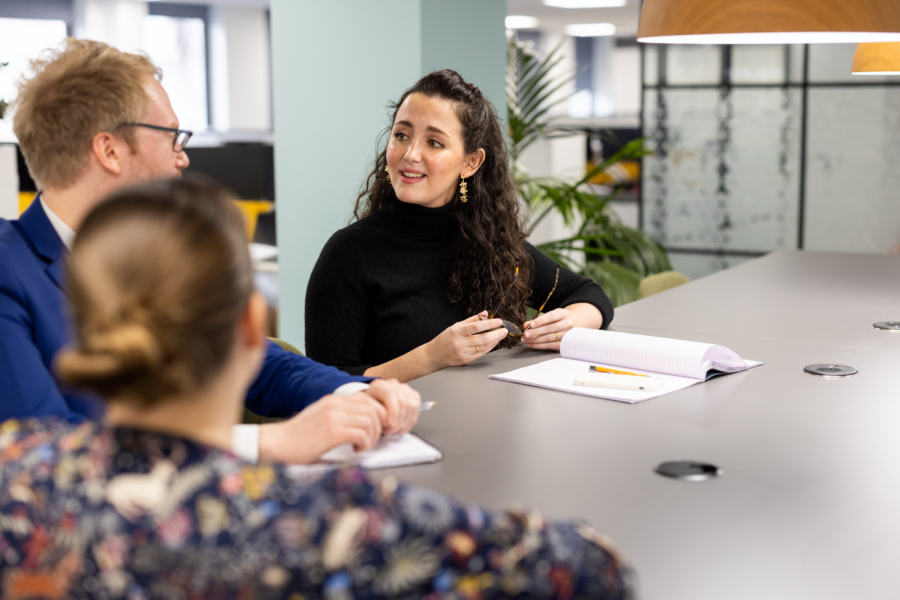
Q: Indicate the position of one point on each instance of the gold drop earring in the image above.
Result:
(388, 177)
(463, 191)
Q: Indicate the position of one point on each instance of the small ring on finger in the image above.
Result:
(557, 336)
(477, 349)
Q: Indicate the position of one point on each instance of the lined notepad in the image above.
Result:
(390, 451)
(678, 363)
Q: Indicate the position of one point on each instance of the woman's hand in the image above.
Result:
(334, 420)
(463, 342)
(401, 404)
(547, 331)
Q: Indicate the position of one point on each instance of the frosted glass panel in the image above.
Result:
(758, 64)
(651, 63)
(853, 169)
(833, 63)
(695, 266)
(693, 65)
(726, 172)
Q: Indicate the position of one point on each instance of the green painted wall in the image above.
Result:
(336, 66)
(468, 36)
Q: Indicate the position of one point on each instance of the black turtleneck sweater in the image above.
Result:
(379, 288)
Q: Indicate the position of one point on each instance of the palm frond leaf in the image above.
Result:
(612, 254)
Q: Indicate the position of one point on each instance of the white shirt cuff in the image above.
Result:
(245, 442)
(245, 438)
(351, 388)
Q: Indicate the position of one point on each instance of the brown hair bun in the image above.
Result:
(123, 352)
(158, 278)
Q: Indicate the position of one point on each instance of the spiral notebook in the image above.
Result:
(679, 363)
(390, 451)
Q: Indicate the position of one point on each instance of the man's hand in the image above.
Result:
(401, 402)
(334, 420)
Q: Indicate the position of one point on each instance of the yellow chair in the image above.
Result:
(25, 200)
(255, 419)
(660, 282)
(251, 209)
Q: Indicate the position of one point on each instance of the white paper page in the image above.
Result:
(559, 373)
(390, 451)
(642, 352)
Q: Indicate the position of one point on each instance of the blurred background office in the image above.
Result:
(754, 148)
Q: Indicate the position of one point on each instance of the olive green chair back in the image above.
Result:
(660, 282)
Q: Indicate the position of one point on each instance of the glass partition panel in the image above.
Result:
(833, 63)
(853, 169)
(725, 175)
(693, 65)
(758, 64)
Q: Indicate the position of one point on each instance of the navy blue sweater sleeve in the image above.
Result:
(290, 382)
(28, 387)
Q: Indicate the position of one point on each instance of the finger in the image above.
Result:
(544, 346)
(498, 336)
(364, 411)
(560, 327)
(475, 318)
(362, 438)
(480, 326)
(413, 402)
(550, 317)
(490, 342)
(376, 419)
(545, 337)
(381, 412)
(383, 393)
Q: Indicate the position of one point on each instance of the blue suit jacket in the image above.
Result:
(34, 326)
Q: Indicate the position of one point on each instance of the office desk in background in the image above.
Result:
(809, 504)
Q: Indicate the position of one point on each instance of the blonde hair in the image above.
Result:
(158, 278)
(78, 90)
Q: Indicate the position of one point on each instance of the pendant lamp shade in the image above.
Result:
(877, 59)
(769, 21)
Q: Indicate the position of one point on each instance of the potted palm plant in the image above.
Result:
(616, 256)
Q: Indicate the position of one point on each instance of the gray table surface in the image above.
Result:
(788, 295)
(809, 504)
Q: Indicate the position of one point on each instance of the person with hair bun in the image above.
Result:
(152, 504)
(92, 120)
(406, 289)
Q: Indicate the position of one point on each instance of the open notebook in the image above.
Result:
(678, 363)
(390, 451)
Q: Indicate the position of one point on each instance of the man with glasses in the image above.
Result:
(90, 121)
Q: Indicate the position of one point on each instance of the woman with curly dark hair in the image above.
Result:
(406, 289)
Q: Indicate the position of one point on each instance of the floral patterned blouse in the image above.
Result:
(92, 512)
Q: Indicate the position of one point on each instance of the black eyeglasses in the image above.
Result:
(181, 135)
(510, 327)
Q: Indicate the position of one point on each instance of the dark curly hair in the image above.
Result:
(489, 236)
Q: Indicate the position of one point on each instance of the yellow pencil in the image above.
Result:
(615, 371)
